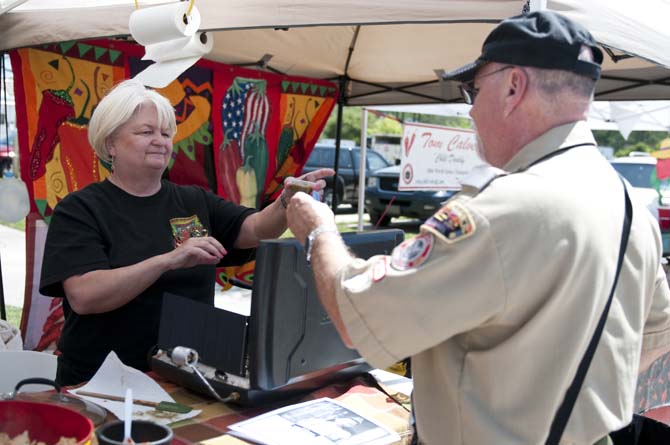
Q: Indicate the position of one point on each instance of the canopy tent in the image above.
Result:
(381, 51)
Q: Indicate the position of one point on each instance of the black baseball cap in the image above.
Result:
(541, 39)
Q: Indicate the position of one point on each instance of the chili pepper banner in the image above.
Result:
(240, 132)
(265, 126)
(57, 88)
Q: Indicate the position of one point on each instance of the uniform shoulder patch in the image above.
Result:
(413, 252)
(453, 222)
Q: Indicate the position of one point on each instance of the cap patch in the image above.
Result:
(452, 222)
(413, 252)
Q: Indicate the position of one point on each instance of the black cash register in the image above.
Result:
(287, 345)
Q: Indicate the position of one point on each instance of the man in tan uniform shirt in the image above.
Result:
(498, 296)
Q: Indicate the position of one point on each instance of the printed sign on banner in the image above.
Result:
(435, 157)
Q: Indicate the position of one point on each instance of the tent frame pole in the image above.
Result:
(338, 138)
(362, 171)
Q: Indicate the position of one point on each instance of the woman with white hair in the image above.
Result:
(115, 247)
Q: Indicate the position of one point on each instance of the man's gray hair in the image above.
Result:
(119, 106)
(552, 82)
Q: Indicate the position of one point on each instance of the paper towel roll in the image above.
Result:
(163, 22)
(172, 59)
(187, 47)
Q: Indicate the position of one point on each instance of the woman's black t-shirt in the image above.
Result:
(103, 227)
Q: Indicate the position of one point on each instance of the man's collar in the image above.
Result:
(567, 135)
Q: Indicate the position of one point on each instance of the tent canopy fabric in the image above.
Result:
(627, 117)
(382, 51)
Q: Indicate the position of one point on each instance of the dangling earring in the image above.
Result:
(111, 163)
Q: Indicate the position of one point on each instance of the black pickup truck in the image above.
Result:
(384, 201)
(323, 156)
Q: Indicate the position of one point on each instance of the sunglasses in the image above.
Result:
(468, 90)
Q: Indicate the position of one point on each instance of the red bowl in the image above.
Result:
(44, 422)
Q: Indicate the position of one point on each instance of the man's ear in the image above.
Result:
(517, 86)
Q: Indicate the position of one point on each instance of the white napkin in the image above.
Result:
(10, 337)
(114, 377)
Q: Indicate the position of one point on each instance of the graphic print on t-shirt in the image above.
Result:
(185, 228)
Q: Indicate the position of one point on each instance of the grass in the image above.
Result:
(14, 315)
(19, 225)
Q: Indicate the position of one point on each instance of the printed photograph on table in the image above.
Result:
(318, 422)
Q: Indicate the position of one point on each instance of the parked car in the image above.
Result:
(382, 190)
(638, 170)
(7, 152)
(347, 174)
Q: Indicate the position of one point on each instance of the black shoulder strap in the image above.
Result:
(564, 411)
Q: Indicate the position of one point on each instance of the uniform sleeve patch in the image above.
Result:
(412, 253)
(453, 222)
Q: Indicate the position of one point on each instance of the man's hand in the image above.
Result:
(316, 177)
(305, 214)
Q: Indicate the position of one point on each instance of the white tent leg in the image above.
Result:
(362, 168)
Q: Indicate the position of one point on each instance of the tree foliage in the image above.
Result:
(646, 141)
(351, 123)
(383, 126)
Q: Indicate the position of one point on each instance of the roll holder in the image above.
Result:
(187, 357)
